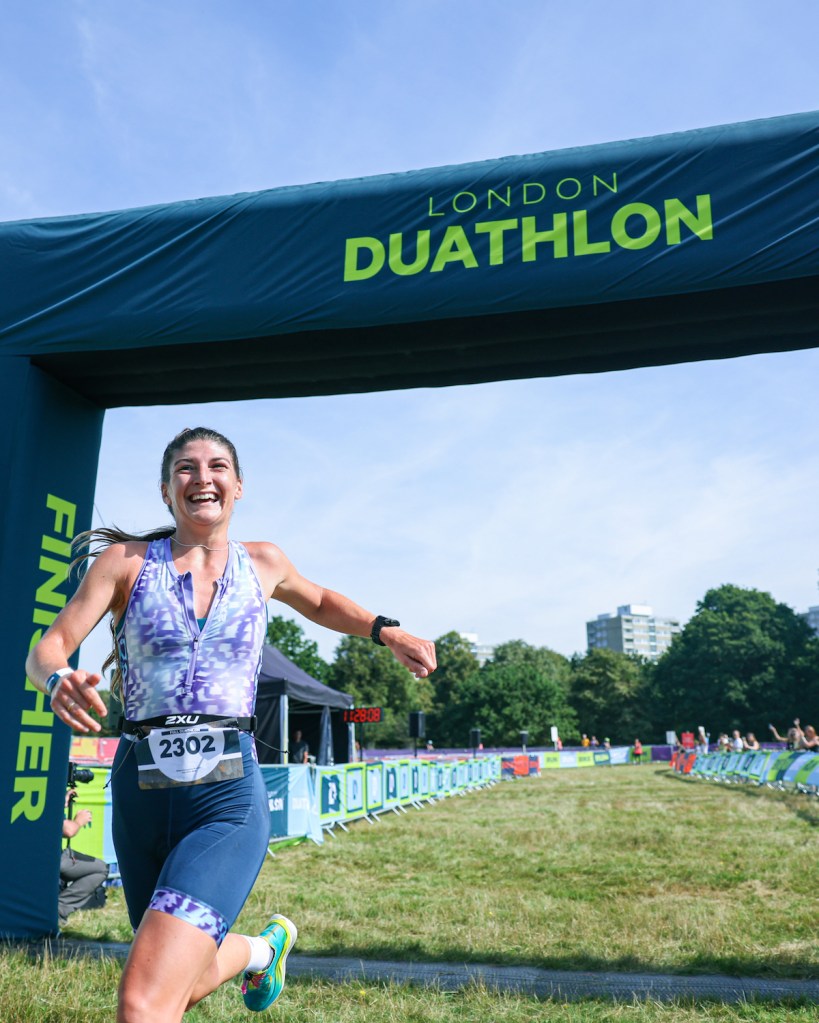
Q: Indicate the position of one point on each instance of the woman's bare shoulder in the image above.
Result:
(261, 550)
(122, 553)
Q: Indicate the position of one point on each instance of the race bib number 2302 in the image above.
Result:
(188, 756)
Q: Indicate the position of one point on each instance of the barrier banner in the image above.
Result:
(374, 787)
(277, 783)
(302, 801)
(421, 791)
(390, 785)
(762, 761)
(522, 765)
(809, 775)
(86, 749)
(796, 769)
(797, 766)
(601, 757)
(404, 782)
(330, 794)
(780, 765)
(432, 781)
(354, 792)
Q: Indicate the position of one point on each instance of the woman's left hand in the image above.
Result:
(416, 654)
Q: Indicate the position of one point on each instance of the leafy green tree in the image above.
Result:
(373, 677)
(609, 694)
(456, 664)
(742, 661)
(110, 724)
(288, 637)
(522, 688)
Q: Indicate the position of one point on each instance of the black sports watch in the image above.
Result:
(381, 623)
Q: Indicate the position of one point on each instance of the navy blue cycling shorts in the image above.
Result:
(193, 851)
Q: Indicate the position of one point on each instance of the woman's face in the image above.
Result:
(203, 484)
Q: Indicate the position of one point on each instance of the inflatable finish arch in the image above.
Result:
(699, 245)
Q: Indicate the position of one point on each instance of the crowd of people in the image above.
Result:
(796, 738)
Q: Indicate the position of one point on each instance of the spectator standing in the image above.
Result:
(299, 749)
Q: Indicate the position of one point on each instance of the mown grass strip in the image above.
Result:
(629, 868)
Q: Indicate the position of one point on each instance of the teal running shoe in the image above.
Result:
(261, 990)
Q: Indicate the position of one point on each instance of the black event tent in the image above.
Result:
(289, 699)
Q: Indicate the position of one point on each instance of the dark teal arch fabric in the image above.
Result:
(698, 244)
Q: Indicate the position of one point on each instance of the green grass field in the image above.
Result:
(630, 868)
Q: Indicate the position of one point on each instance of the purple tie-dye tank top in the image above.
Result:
(170, 665)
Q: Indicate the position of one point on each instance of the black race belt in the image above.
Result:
(187, 721)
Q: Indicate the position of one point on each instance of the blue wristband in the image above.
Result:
(54, 678)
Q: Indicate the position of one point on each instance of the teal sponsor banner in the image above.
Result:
(331, 792)
(355, 792)
(390, 784)
(404, 782)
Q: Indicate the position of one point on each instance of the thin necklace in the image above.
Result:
(174, 540)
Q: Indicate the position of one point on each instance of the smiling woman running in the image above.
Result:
(190, 816)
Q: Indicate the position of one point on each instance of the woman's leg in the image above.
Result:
(171, 966)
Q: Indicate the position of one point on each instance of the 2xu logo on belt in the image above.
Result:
(193, 755)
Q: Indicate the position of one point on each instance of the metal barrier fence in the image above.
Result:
(788, 770)
(308, 801)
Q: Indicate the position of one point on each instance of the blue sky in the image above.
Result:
(514, 510)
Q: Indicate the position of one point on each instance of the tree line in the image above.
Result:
(743, 661)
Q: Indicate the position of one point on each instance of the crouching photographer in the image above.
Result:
(81, 877)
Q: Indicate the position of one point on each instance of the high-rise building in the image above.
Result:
(483, 651)
(633, 630)
(811, 616)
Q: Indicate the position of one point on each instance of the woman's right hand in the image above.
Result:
(74, 698)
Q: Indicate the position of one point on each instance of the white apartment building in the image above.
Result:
(483, 651)
(633, 630)
(811, 616)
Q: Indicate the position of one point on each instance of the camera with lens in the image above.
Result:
(78, 775)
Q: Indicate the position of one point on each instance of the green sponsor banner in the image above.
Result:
(95, 838)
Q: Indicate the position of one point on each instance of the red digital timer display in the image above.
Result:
(363, 715)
